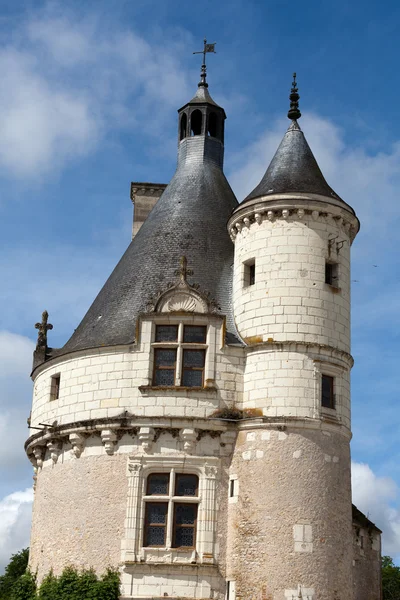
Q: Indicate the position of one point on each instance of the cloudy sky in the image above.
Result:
(88, 100)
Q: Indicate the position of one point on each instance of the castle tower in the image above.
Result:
(291, 523)
(129, 463)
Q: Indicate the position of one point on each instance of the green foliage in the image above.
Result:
(390, 579)
(15, 568)
(24, 588)
(49, 588)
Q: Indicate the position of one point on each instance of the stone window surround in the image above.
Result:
(335, 371)
(215, 332)
(207, 469)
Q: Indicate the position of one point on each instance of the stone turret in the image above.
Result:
(291, 296)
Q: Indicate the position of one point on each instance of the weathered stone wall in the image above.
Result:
(367, 566)
(78, 514)
(290, 299)
(104, 382)
(291, 523)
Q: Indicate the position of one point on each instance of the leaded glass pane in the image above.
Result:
(157, 483)
(155, 536)
(184, 537)
(185, 514)
(186, 485)
(156, 513)
(193, 358)
(192, 378)
(164, 377)
(166, 333)
(165, 357)
(194, 334)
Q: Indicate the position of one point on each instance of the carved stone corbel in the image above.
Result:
(38, 453)
(78, 443)
(146, 438)
(54, 447)
(109, 439)
(189, 438)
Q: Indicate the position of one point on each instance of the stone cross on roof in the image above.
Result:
(43, 328)
(183, 271)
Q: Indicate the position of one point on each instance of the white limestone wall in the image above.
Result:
(105, 382)
(287, 383)
(290, 299)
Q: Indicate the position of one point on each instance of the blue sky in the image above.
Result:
(88, 100)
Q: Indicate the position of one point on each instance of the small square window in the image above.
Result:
(194, 334)
(186, 485)
(166, 333)
(327, 392)
(157, 484)
(249, 274)
(331, 274)
(55, 387)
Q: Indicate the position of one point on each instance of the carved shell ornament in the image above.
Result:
(182, 302)
(183, 297)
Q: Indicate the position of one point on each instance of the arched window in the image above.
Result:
(196, 122)
(212, 128)
(183, 127)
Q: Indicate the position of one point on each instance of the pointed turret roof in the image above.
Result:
(294, 168)
(188, 220)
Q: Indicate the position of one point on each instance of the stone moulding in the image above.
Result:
(311, 348)
(300, 207)
(111, 430)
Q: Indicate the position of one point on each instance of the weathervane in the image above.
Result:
(294, 110)
(203, 75)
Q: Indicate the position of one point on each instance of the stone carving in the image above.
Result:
(183, 302)
(301, 213)
(38, 453)
(78, 442)
(146, 438)
(109, 439)
(54, 447)
(189, 437)
(285, 213)
(211, 471)
(258, 218)
(43, 328)
(270, 215)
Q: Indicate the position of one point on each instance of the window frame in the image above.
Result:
(171, 500)
(55, 385)
(163, 368)
(332, 405)
(180, 346)
(249, 273)
(332, 273)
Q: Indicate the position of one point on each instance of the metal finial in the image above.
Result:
(43, 328)
(294, 110)
(203, 72)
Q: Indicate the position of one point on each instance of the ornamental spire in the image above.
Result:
(203, 72)
(294, 111)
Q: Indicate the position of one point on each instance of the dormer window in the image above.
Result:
(179, 356)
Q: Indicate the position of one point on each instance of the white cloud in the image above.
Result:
(15, 524)
(377, 497)
(69, 80)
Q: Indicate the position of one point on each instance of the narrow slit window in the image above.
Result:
(331, 274)
(249, 274)
(327, 395)
(55, 387)
(231, 488)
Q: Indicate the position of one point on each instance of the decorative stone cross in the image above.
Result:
(43, 328)
(183, 271)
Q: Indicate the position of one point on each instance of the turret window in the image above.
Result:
(327, 391)
(331, 274)
(179, 355)
(196, 122)
(55, 387)
(249, 272)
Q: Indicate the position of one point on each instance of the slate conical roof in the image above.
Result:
(188, 220)
(293, 169)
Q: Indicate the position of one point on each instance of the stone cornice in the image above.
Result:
(294, 207)
(323, 350)
(146, 189)
(324, 423)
